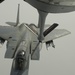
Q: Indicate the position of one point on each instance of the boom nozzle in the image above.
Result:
(46, 32)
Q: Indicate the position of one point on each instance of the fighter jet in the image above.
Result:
(24, 41)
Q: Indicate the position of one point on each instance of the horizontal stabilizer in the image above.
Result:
(56, 33)
(11, 23)
(17, 21)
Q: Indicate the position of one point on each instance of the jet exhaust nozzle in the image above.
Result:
(46, 32)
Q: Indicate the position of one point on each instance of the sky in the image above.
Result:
(58, 61)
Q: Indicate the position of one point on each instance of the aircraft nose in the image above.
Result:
(20, 60)
(20, 64)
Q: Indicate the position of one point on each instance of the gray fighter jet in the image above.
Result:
(24, 41)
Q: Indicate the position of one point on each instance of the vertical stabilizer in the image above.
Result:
(17, 21)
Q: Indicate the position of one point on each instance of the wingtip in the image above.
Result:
(67, 32)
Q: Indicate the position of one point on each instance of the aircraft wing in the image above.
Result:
(56, 33)
(9, 33)
(6, 32)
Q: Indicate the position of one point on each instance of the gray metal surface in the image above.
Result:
(53, 6)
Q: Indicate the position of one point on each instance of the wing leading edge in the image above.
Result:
(56, 33)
